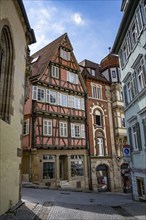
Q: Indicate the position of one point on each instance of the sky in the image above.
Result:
(91, 25)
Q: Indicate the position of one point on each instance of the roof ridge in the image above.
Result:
(52, 42)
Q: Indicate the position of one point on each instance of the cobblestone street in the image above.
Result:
(66, 205)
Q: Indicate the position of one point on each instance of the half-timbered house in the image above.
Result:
(54, 136)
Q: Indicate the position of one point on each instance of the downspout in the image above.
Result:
(88, 143)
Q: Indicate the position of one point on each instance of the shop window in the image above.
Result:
(48, 166)
(77, 165)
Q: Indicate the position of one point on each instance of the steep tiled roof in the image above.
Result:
(45, 55)
(87, 65)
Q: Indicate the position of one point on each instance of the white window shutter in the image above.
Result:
(83, 131)
(72, 130)
(47, 95)
(34, 92)
(61, 52)
(76, 78)
(27, 126)
(70, 101)
(59, 97)
(67, 76)
(82, 104)
(68, 55)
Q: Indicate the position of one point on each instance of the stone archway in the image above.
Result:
(102, 178)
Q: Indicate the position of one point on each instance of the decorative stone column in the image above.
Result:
(86, 172)
(69, 167)
(57, 168)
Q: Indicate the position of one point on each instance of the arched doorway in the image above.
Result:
(102, 178)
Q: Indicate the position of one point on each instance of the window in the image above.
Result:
(48, 166)
(78, 130)
(6, 74)
(55, 72)
(96, 91)
(77, 103)
(135, 141)
(92, 72)
(65, 54)
(140, 78)
(72, 77)
(63, 129)
(41, 95)
(100, 146)
(26, 127)
(77, 165)
(144, 129)
(113, 73)
(129, 92)
(123, 122)
(38, 94)
(133, 34)
(52, 95)
(63, 100)
(47, 127)
(98, 120)
(139, 21)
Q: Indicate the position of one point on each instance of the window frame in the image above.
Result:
(48, 126)
(26, 127)
(63, 126)
(55, 71)
(96, 91)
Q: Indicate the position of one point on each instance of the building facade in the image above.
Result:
(13, 56)
(110, 69)
(104, 173)
(54, 136)
(130, 45)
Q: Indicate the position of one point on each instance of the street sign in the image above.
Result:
(126, 151)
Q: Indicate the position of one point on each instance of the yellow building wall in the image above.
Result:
(10, 134)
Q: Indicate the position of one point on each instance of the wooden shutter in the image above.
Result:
(138, 136)
(72, 130)
(130, 139)
(34, 92)
(125, 95)
(83, 131)
(144, 129)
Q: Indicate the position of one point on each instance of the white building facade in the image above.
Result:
(130, 45)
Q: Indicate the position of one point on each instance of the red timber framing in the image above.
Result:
(56, 105)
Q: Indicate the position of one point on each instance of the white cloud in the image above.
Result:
(76, 17)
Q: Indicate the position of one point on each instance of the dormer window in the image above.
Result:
(72, 77)
(64, 54)
(55, 72)
(92, 72)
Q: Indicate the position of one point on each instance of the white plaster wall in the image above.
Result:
(10, 133)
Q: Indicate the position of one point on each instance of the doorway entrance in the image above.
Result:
(102, 178)
(63, 167)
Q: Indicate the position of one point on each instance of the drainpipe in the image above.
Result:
(88, 143)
